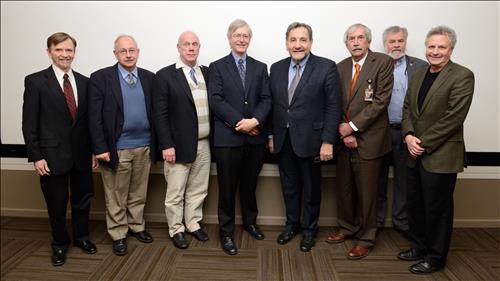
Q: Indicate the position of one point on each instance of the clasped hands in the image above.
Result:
(345, 132)
(248, 126)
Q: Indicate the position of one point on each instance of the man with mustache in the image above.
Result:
(366, 80)
(394, 39)
(56, 134)
(239, 97)
(306, 112)
(123, 140)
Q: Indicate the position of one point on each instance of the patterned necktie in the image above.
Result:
(193, 76)
(294, 83)
(130, 79)
(241, 70)
(70, 96)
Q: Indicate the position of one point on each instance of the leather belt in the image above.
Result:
(395, 126)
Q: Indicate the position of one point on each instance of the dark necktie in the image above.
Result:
(70, 96)
(294, 83)
(241, 70)
(193, 76)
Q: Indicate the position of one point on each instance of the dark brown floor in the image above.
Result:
(25, 255)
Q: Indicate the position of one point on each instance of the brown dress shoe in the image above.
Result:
(337, 237)
(358, 252)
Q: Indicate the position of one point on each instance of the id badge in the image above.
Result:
(369, 92)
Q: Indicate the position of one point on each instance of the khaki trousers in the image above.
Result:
(125, 191)
(187, 187)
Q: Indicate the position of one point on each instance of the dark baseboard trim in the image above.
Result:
(473, 158)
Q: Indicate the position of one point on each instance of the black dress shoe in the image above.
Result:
(307, 243)
(286, 236)
(86, 246)
(120, 247)
(228, 246)
(254, 230)
(180, 240)
(424, 267)
(410, 255)
(58, 256)
(200, 235)
(142, 236)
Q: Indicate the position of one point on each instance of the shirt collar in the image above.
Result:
(180, 64)
(125, 72)
(60, 73)
(237, 58)
(302, 63)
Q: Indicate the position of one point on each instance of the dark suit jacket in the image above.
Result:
(439, 125)
(227, 100)
(371, 118)
(174, 113)
(314, 112)
(413, 65)
(106, 111)
(48, 129)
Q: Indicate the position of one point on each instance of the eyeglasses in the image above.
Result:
(124, 52)
(241, 36)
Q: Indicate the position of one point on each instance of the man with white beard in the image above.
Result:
(394, 39)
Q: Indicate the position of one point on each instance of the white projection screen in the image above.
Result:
(25, 27)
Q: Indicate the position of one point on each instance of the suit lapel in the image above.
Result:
(82, 95)
(367, 67)
(346, 72)
(249, 74)
(57, 93)
(233, 71)
(115, 86)
(442, 77)
(184, 84)
(146, 89)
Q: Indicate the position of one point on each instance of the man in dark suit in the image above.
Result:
(181, 118)
(57, 140)
(306, 112)
(240, 100)
(435, 108)
(123, 140)
(366, 79)
(394, 39)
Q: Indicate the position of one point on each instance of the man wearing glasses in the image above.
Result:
(240, 99)
(181, 118)
(123, 140)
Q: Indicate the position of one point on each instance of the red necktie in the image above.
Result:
(70, 96)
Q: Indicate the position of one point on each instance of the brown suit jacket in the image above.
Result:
(370, 118)
(439, 125)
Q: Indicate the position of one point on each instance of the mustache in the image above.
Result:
(357, 49)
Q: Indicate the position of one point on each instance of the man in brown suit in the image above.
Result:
(365, 139)
(434, 111)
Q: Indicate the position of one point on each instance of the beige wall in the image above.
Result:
(477, 201)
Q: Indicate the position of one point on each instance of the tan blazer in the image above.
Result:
(370, 118)
(440, 122)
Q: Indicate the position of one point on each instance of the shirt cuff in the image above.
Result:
(353, 126)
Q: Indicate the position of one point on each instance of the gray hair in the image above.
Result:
(294, 25)
(443, 30)
(394, 29)
(124, 36)
(352, 28)
(237, 23)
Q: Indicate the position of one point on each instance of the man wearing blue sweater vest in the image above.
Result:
(123, 140)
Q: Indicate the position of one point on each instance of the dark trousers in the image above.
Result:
(430, 212)
(398, 157)
(300, 177)
(77, 186)
(356, 186)
(238, 167)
